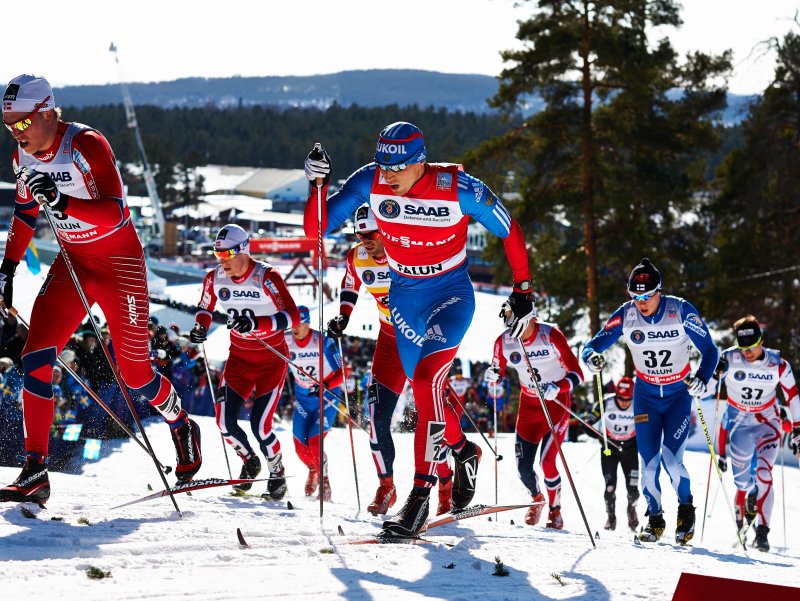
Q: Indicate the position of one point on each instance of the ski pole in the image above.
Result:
(106, 352)
(556, 441)
(611, 443)
(719, 472)
(318, 183)
(783, 490)
(494, 388)
(167, 469)
(349, 424)
(598, 382)
(309, 376)
(710, 459)
(214, 400)
(453, 395)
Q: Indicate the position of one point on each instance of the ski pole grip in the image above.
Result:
(317, 154)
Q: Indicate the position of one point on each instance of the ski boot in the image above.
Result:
(411, 519)
(554, 519)
(326, 489)
(445, 496)
(250, 469)
(654, 529)
(535, 513)
(385, 497)
(465, 475)
(761, 543)
(312, 482)
(684, 530)
(276, 485)
(633, 519)
(32, 484)
(611, 522)
(186, 439)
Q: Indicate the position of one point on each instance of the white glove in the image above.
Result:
(318, 165)
(696, 386)
(595, 363)
(549, 391)
(492, 375)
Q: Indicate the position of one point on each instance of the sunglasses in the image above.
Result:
(368, 235)
(394, 168)
(643, 297)
(751, 347)
(25, 122)
(227, 254)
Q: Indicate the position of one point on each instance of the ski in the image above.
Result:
(186, 487)
(393, 540)
(242, 543)
(473, 511)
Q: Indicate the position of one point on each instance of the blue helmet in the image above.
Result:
(305, 314)
(400, 144)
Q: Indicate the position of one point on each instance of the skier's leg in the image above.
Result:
(767, 449)
(648, 440)
(552, 479)
(676, 419)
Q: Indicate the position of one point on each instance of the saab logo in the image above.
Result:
(224, 294)
(514, 357)
(434, 442)
(390, 149)
(389, 209)
(641, 418)
(11, 93)
(435, 333)
(444, 181)
(427, 212)
(613, 323)
(541, 353)
(246, 294)
(63, 176)
(368, 277)
(739, 376)
(309, 355)
(661, 335)
(637, 337)
(760, 376)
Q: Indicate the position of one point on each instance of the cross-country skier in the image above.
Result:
(303, 345)
(751, 428)
(259, 309)
(659, 330)
(558, 372)
(70, 168)
(367, 263)
(618, 418)
(422, 210)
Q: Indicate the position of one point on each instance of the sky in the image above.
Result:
(166, 40)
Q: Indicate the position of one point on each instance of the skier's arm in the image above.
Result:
(698, 333)
(340, 205)
(607, 336)
(334, 378)
(288, 315)
(23, 221)
(789, 387)
(574, 375)
(208, 300)
(351, 283)
(479, 202)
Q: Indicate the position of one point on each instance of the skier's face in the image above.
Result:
(402, 181)
(753, 353)
(36, 137)
(650, 306)
(372, 243)
(236, 265)
(301, 330)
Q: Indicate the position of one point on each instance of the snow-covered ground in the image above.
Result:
(152, 553)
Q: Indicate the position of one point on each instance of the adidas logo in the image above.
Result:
(435, 333)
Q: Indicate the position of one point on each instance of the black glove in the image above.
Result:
(44, 189)
(318, 165)
(595, 362)
(7, 269)
(795, 440)
(314, 390)
(337, 325)
(722, 462)
(722, 366)
(199, 333)
(518, 310)
(243, 323)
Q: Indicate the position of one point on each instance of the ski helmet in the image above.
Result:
(365, 220)
(305, 314)
(644, 278)
(231, 237)
(399, 145)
